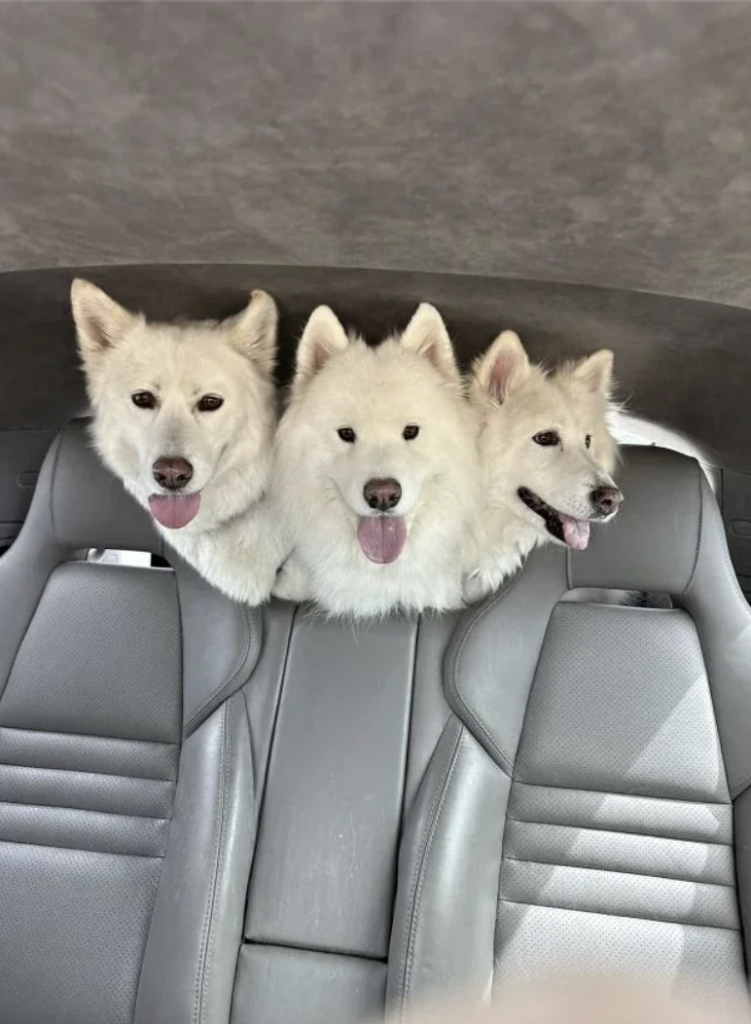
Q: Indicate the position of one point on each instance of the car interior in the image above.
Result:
(222, 814)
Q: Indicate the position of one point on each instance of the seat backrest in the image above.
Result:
(346, 759)
(587, 806)
(126, 776)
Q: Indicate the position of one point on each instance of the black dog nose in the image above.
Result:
(606, 499)
(172, 472)
(382, 494)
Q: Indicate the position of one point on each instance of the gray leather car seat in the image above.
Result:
(126, 776)
(208, 813)
(587, 806)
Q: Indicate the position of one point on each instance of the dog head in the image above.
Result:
(183, 413)
(545, 445)
(371, 430)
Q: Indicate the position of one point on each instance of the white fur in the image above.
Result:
(231, 541)
(515, 400)
(318, 487)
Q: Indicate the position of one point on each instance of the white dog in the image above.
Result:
(376, 471)
(547, 457)
(184, 415)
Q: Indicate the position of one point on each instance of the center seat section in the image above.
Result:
(345, 762)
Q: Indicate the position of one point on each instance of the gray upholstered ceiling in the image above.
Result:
(599, 143)
(533, 165)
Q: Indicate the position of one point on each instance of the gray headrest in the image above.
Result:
(653, 542)
(82, 504)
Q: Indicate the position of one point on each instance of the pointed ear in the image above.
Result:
(322, 338)
(253, 331)
(426, 335)
(503, 367)
(596, 372)
(100, 321)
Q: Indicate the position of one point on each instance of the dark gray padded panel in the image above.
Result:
(102, 656)
(281, 986)
(652, 544)
(324, 871)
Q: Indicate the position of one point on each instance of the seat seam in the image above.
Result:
(86, 810)
(632, 796)
(616, 871)
(415, 892)
(204, 956)
(78, 771)
(82, 849)
(629, 917)
(620, 831)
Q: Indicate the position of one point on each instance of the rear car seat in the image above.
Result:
(588, 804)
(553, 788)
(126, 776)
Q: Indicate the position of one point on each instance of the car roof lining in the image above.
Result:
(604, 144)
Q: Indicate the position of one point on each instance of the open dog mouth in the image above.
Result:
(174, 511)
(570, 531)
(382, 537)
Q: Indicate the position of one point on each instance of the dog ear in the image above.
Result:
(253, 331)
(322, 338)
(426, 335)
(502, 367)
(596, 372)
(100, 321)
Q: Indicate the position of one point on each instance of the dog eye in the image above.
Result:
(588, 441)
(347, 434)
(410, 432)
(209, 403)
(144, 399)
(547, 438)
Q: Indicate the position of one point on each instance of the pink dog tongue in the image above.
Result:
(174, 510)
(382, 537)
(575, 532)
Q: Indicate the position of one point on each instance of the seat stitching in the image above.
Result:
(78, 771)
(203, 955)
(415, 891)
(612, 792)
(83, 849)
(619, 831)
(630, 917)
(85, 810)
(617, 871)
